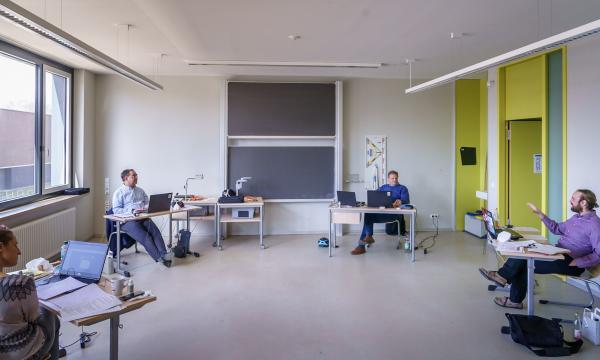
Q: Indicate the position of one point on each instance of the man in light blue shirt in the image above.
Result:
(129, 199)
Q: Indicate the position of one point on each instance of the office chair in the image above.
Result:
(126, 240)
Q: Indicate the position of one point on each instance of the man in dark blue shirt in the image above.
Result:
(399, 196)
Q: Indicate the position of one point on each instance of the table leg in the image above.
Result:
(412, 234)
(530, 285)
(114, 337)
(330, 235)
(171, 230)
(187, 219)
(218, 220)
(216, 226)
(262, 244)
(118, 269)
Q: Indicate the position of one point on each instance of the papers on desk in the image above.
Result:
(514, 246)
(54, 289)
(87, 301)
(547, 249)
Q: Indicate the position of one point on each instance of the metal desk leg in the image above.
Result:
(530, 285)
(262, 244)
(412, 234)
(171, 230)
(330, 236)
(218, 220)
(114, 337)
(216, 226)
(118, 269)
(187, 220)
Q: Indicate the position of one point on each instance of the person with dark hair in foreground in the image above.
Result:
(26, 330)
(580, 234)
(130, 198)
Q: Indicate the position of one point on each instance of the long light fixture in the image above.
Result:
(30, 21)
(282, 63)
(542, 45)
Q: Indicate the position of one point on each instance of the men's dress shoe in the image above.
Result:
(369, 240)
(493, 277)
(359, 250)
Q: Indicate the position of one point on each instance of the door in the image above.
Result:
(524, 171)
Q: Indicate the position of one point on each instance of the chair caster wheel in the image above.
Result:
(505, 329)
(126, 273)
(492, 287)
(196, 254)
(214, 244)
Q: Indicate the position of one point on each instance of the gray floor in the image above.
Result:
(291, 301)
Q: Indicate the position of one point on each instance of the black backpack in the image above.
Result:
(538, 332)
(183, 244)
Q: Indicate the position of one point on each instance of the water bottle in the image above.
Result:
(130, 286)
(407, 245)
(63, 252)
(577, 327)
(108, 264)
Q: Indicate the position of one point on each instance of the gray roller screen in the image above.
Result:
(280, 109)
(283, 172)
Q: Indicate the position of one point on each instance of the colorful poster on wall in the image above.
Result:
(376, 161)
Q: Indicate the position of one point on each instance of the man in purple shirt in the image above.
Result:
(580, 234)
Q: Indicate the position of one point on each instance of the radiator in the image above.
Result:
(43, 237)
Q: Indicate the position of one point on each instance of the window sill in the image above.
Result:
(9, 214)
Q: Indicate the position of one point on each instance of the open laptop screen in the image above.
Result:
(84, 259)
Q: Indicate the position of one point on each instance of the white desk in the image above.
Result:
(210, 202)
(531, 257)
(119, 220)
(227, 218)
(335, 209)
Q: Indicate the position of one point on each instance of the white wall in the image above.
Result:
(419, 129)
(583, 115)
(172, 134)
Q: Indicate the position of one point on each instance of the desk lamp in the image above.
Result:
(239, 183)
(195, 177)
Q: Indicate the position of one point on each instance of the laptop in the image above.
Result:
(158, 203)
(494, 231)
(376, 198)
(83, 261)
(347, 198)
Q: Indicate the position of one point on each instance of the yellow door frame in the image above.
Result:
(502, 130)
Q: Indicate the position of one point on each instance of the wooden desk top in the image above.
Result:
(258, 202)
(125, 307)
(365, 209)
(207, 201)
(532, 255)
(148, 215)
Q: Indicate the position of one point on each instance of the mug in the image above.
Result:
(117, 284)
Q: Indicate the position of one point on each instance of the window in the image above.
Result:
(56, 129)
(35, 127)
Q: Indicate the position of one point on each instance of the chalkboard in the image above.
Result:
(280, 109)
(284, 172)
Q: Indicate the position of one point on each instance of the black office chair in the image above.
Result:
(111, 236)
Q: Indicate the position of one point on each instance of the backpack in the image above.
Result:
(183, 244)
(544, 334)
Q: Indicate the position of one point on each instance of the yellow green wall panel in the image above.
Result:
(525, 89)
(467, 129)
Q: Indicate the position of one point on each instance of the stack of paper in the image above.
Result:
(514, 246)
(54, 289)
(547, 249)
(87, 301)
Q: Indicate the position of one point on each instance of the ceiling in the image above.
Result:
(384, 31)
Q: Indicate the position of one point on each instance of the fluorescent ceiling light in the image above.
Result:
(282, 63)
(542, 45)
(30, 21)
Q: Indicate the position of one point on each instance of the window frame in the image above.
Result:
(41, 63)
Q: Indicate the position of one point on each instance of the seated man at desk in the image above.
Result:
(580, 234)
(399, 196)
(130, 198)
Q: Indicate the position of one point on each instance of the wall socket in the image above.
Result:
(434, 216)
